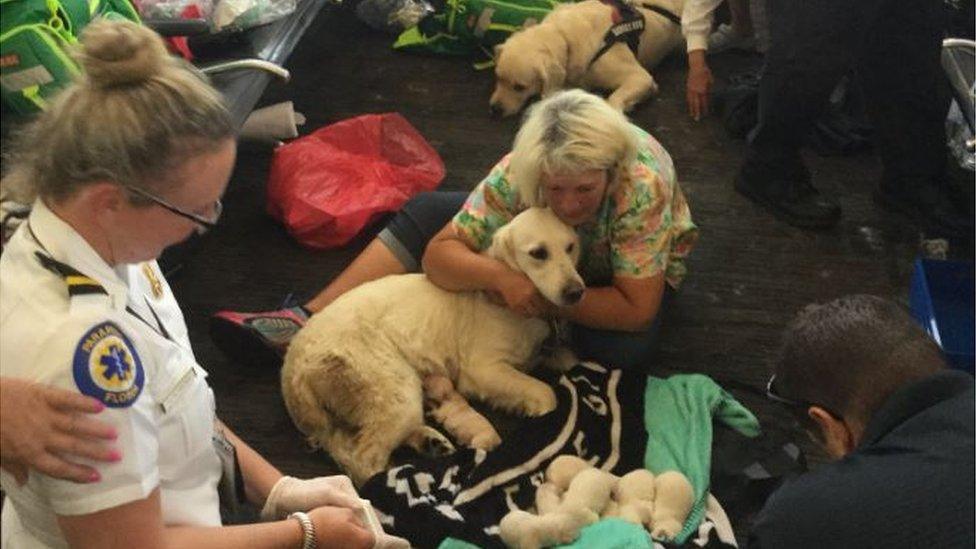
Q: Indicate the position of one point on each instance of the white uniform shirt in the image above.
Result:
(143, 370)
(696, 22)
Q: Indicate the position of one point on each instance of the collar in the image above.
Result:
(63, 243)
(913, 400)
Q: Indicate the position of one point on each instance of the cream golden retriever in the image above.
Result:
(559, 51)
(352, 377)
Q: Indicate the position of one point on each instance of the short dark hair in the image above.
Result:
(852, 353)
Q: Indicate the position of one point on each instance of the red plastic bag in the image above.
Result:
(327, 186)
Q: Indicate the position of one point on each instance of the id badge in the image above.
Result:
(230, 489)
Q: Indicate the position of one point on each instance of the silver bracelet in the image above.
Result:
(308, 529)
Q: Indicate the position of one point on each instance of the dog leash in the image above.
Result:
(628, 24)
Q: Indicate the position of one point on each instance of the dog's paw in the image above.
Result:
(540, 401)
(434, 444)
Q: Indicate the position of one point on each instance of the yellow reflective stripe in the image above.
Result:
(75, 280)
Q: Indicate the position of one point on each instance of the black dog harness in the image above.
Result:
(628, 24)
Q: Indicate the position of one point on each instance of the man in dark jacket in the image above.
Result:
(872, 387)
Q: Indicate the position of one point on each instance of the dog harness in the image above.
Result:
(628, 24)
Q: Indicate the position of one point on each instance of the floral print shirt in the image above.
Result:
(643, 227)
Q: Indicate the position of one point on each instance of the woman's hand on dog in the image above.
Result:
(699, 84)
(520, 295)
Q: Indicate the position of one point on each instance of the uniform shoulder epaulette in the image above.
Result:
(78, 282)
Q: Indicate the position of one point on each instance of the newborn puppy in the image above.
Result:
(559, 520)
(563, 470)
(449, 408)
(674, 497)
(634, 496)
(523, 530)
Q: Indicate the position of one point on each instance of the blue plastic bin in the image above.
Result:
(942, 301)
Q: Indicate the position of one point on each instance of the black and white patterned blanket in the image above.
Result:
(599, 417)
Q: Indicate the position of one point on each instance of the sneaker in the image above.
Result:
(795, 201)
(725, 39)
(257, 338)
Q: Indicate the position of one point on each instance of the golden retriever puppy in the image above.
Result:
(450, 409)
(559, 53)
(353, 376)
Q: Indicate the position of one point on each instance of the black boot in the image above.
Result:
(791, 198)
(929, 205)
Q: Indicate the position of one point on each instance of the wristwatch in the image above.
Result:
(308, 529)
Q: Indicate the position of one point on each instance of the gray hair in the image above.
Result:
(569, 132)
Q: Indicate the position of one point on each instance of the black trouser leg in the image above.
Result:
(898, 63)
(810, 50)
(900, 69)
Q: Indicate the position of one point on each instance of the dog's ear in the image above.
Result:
(498, 50)
(502, 246)
(553, 77)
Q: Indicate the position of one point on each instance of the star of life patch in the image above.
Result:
(106, 366)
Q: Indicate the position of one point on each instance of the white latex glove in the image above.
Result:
(372, 522)
(291, 494)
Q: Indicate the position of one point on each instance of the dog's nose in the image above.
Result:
(572, 294)
(495, 111)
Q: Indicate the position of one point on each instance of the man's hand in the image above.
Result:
(699, 84)
(41, 424)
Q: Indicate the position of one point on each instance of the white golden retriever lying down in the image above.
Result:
(559, 52)
(352, 377)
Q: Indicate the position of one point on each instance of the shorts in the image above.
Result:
(417, 222)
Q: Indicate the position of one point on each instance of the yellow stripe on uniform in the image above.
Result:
(77, 280)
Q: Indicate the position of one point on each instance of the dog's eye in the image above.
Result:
(569, 249)
(519, 88)
(540, 253)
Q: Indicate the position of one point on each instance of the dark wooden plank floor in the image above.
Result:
(749, 273)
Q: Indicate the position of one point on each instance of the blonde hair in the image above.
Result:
(569, 132)
(133, 115)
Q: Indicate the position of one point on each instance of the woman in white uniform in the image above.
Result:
(131, 159)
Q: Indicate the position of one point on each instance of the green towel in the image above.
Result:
(609, 533)
(612, 533)
(678, 413)
(454, 543)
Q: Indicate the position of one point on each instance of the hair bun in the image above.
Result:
(120, 52)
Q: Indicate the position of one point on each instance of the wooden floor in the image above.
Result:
(748, 275)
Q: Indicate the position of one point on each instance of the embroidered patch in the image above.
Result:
(107, 367)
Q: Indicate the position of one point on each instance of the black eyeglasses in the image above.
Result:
(773, 394)
(203, 224)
